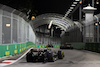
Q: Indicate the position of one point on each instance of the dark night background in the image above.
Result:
(42, 6)
(45, 6)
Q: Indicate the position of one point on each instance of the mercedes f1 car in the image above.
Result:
(44, 56)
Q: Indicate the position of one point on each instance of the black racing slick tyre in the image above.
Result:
(51, 58)
(29, 57)
(60, 54)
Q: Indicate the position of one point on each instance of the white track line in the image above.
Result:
(13, 61)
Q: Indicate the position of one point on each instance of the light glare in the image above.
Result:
(74, 2)
(7, 25)
(77, 0)
(50, 25)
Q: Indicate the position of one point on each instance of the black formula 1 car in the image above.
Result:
(44, 56)
(66, 46)
(49, 45)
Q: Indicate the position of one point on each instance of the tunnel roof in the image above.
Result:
(57, 19)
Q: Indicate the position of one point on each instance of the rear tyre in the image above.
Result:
(29, 57)
(53, 59)
(60, 55)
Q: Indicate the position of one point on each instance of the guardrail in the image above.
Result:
(95, 47)
(42, 46)
(78, 45)
(11, 49)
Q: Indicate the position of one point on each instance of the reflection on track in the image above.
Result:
(73, 58)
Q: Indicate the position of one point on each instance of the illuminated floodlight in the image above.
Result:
(74, 2)
(7, 25)
(73, 5)
(80, 2)
(66, 13)
(33, 17)
(77, 0)
(70, 10)
(50, 25)
(97, 2)
(96, 24)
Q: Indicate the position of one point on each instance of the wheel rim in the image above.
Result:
(53, 59)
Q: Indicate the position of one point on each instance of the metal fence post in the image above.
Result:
(18, 30)
(1, 12)
(92, 3)
(98, 33)
(11, 28)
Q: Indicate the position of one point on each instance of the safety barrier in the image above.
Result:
(56, 45)
(95, 47)
(78, 45)
(42, 46)
(12, 49)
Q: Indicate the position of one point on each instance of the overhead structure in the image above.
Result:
(71, 8)
(56, 19)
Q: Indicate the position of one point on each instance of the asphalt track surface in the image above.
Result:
(73, 58)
